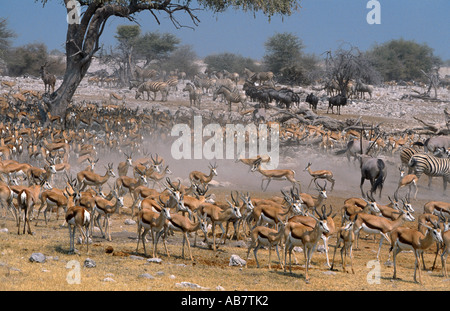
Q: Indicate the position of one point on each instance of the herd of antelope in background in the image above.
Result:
(61, 173)
(46, 170)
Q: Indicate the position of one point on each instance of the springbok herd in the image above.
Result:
(46, 170)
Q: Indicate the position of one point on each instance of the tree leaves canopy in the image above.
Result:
(402, 59)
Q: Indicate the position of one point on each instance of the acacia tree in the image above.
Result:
(282, 50)
(83, 36)
(127, 37)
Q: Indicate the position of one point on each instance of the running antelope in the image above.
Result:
(285, 174)
(373, 224)
(87, 178)
(197, 177)
(320, 174)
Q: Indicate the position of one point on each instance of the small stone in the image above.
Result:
(187, 285)
(235, 260)
(89, 263)
(130, 222)
(37, 257)
(154, 260)
(146, 276)
(108, 279)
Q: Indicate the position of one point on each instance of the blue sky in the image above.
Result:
(321, 24)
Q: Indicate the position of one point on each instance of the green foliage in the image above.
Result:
(230, 62)
(182, 59)
(5, 37)
(402, 60)
(285, 58)
(282, 50)
(268, 8)
(26, 59)
(155, 45)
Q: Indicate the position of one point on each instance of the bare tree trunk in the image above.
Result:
(61, 98)
(82, 42)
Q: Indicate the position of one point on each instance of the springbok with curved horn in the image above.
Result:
(298, 234)
(403, 238)
(306, 220)
(320, 174)
(409, 180)
(346, 235)
(374, 224)
(87, 178)
(123, 167)
(277, 174)
(197, 177)
(264, 236)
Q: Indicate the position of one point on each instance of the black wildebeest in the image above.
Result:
(312, 100)
(338, 101)
(373, 169)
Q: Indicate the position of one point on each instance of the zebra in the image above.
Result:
(152, 86)
(144, 73)
(233, 76)
(231, 97)
(248, 73)
(263, 77)
(173, 83)
(195, 94)
(204, 83)
(405, 155)
(423, 163)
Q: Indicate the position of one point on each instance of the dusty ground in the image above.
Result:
(123, 268)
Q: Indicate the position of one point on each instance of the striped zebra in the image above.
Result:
(204, 83)
(195, 94)
(155, 87)
(232, 76)
(423, 163)
(230, 97)
(405, 156)
(173, 83)
(263, 77)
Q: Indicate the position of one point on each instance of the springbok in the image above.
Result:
(280, 174)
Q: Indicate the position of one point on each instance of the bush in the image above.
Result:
(402, 60)
(230, 62)
(28, 59)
